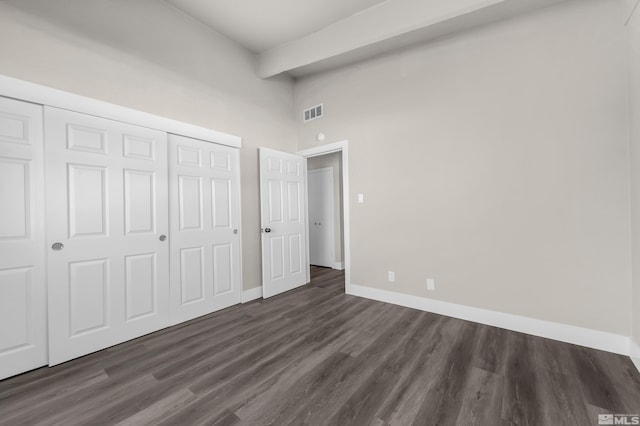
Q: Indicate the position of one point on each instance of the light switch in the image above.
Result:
(360, 198)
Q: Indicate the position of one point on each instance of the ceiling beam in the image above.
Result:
(386, 26)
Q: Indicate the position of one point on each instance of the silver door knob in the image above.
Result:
(57, 246)
(235, 231)
(267, 230)
(163, 237)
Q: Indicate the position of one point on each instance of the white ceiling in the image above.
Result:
(260, 25)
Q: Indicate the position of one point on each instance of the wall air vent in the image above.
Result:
(313, 113)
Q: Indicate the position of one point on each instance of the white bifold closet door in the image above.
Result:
(23, 303)
(205, 221)
(108, 254)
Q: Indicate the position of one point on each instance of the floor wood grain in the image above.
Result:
(315, 356)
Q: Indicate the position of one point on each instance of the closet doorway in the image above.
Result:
(89, 255)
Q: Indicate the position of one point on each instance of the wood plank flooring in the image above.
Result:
(315, 356)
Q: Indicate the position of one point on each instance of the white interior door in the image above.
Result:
(321, 234)
(283, 217)
(23, 310)
(108, 258)
(205, 227)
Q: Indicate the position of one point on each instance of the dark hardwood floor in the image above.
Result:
(317, 356)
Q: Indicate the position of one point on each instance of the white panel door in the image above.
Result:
(108, 258)
(205, 227)
(283, 217)
(321, 234)
(23, 309)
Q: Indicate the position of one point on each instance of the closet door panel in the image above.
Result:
(205, 222)
(107, 223)
(23, 340)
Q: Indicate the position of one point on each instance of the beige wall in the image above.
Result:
(333, 160)
(143, 54)
(495, 162)
(634, 122)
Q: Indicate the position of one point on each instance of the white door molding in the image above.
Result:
(38, 94)
(343, 147)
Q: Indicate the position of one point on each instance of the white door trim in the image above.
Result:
(343, 147)
(35, 93)
(332, 235)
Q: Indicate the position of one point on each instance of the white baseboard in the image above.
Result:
(595, 339)
(339, 266)
(251, 294)
(635, 353)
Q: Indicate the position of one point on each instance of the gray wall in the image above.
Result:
(144, 55)
(496, 162)
(634, 135)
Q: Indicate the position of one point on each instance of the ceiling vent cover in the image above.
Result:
(313, 113)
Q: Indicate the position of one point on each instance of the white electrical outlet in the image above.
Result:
(392, 276)
(360, 198)
(431, 284)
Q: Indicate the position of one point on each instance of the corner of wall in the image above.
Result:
(633, 69)
(630, 8)
(635, 353)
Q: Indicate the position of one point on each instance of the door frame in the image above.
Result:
(343, 147)
(332, 238)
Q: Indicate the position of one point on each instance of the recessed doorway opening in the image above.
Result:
(328, 208)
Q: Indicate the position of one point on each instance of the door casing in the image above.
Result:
(343, 147)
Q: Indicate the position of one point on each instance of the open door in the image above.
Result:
(321, 233)
(283, 218)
